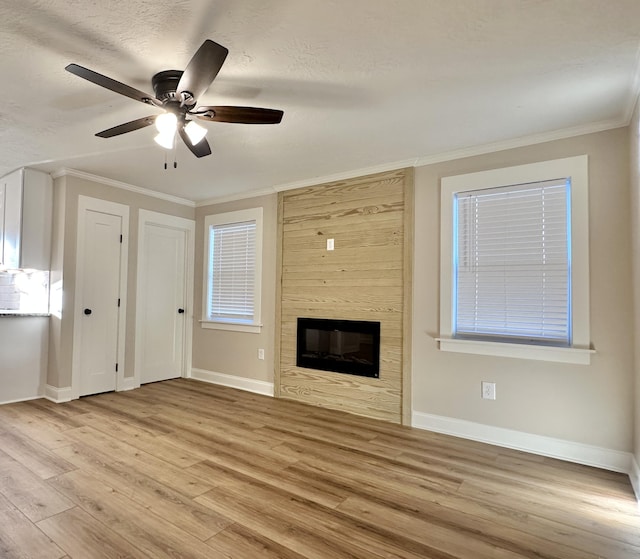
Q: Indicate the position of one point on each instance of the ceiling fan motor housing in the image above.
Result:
(165, 85)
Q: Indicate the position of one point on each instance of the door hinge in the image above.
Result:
(116, 367)
(120, 238)
(118, 301)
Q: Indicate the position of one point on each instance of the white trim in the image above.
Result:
(189, 227)
(225, 218)
(235, 197)
(231, 326)
(524, 141)
(578, 356)
(472, 151)
(128, 383)
(635, 90)
(58, 395)
(353, 174)
(122, 185)
(598, 457)
(634, 477)
(233, 381)
(575, 167)
(85, 203)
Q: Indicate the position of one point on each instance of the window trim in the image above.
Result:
(577, 169)
(228, 218)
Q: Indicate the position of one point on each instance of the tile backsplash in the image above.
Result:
(24, 291)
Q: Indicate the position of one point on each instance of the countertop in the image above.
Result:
(19, 314)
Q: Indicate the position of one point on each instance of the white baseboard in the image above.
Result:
(232, 381)
(634, 476)
(57, 395)
(129, 383)
(605, 458)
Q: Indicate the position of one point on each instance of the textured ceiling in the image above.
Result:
(363, 83)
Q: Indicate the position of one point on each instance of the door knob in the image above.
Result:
(87, 311)
(180, 311)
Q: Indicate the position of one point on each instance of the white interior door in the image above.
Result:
(163, 296)
(100, 305)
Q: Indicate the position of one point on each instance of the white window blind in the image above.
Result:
(232, 272)
(512, 263)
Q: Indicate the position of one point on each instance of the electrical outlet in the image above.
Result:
(330, 244)
(261, 353)
(488, 390)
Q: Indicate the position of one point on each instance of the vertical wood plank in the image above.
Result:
(366, 277)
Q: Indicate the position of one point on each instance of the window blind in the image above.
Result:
(232, 272)
(512, 263)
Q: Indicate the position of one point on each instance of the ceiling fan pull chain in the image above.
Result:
(175, 149)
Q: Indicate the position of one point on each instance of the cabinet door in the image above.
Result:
(37, 195)
(2, 191)
(12, 219)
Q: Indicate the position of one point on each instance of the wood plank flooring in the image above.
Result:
(183, 469)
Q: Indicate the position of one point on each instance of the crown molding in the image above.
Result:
(234, 197)
(382, 168)
(481, 149)
(310, 182)
(523, 141)
(634, 90)
(122, 185)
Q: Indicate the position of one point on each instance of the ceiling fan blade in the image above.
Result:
(111, 84)
(241, 115)
(202, 69)
(200, 149)
(127, 127)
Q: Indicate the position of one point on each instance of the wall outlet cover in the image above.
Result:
(488, 390)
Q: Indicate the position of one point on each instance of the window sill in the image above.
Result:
(231, 326)
(573, 355)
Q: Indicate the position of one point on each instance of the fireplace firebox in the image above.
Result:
(341, 346)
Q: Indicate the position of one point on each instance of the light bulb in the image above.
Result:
(167, 123)
(165, 139)
(195, 132)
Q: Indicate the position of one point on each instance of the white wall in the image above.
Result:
(588, 407)
(236, 353)
(67, 190)
(23, 357)
(584, 404)
(634, 145)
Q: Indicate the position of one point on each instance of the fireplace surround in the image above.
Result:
(367, 276)
(342, 346)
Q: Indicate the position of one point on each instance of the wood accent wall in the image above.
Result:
(366, 277)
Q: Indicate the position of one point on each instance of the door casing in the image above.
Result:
(145, 218)
(85, 204)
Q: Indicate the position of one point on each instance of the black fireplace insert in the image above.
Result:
(342, 346)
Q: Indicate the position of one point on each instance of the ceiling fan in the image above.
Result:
(177, 93)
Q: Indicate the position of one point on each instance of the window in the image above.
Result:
(514, 270)
(511, 263)
(232, 286)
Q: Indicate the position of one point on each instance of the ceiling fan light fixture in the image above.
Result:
(195, 132)
(165, 139)
(167, 124)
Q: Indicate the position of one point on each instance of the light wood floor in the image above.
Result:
(182, 469)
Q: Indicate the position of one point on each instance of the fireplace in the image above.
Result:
(341, 346)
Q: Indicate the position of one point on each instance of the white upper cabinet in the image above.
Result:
(2, 204)
(26, 199)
